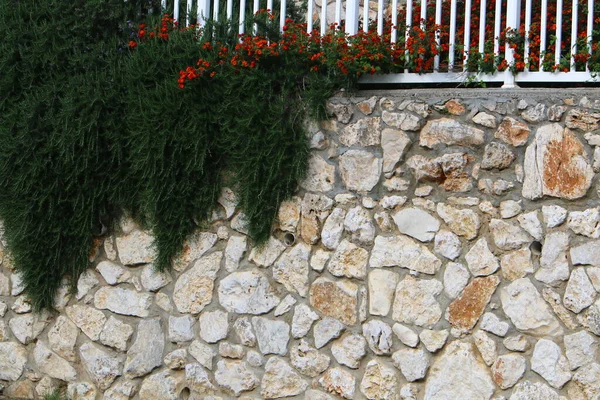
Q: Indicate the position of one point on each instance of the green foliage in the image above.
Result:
(55, 395)
(89, 128)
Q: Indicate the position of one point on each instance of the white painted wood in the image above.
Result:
(590, 27)
(282, 12)
(528, 6)
(452, 39)
(543, 30)
(366, 16)
(497, 21)
(309, 17)
(394, 33)
(351, 17)
(467, 38)
(438, 21)
(482, 16)
(323, 17)
(242, 20)
(558, 44)
(380, 17)
(574, 33)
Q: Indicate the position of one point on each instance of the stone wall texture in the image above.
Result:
(445, 245)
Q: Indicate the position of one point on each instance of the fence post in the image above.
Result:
(352, 17)
(512, 18)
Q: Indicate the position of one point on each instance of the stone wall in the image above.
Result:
(444, 246)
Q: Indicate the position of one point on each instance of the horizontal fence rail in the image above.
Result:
(445, 41)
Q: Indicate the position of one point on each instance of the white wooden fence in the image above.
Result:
(507, 15)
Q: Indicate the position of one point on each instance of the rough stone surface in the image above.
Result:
(88, 319)
(349, 350)
(53, 365)
(382, 285)
(581, 349)
(548, 361)
(459, 374)
(379, 382)
(516, 264)
(348, 260)
(390, 251)
(308, 360)
(450, 132)
(320, 176)
(507, 236)
(335, 299)
(394, 143)
(280, 380)
(161, 385)
(379, 336)
(123, 301)
(508, 369)
(136, 248)
(415, 301)
(325, 330)
(213, 326)
(496, 229)
(145, 353)
(272, 336)
(525, 307)
(413, 363)
(235, 376)
(556, 165)
(464, 312)
(480, 260)
(580, 292)
(13, 358)
(103, 366)
(247, 292)
(513, 132)
(339, 381)
(554, 266)
(116, 333)
(463, 222)
(360, 170)
(447, 244)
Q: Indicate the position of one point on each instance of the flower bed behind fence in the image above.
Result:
(433, 40)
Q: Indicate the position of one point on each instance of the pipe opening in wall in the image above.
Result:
(184, 394)
(289, 239)
(536, 247)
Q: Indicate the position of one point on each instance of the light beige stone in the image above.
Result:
(526, 308)
(360, 170)
(136, 247)
(459, 374)
(123, 301)
(379, 382)
(320, 175)
(463, 222)
(508, 369)
(339, 381)
(394, 143)
(291, 270)
(450, 132)
(415, 301)
(382, 285)
(280, 380)
(348, 260)
(336, 299)
(401, 251)
(88, 319)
